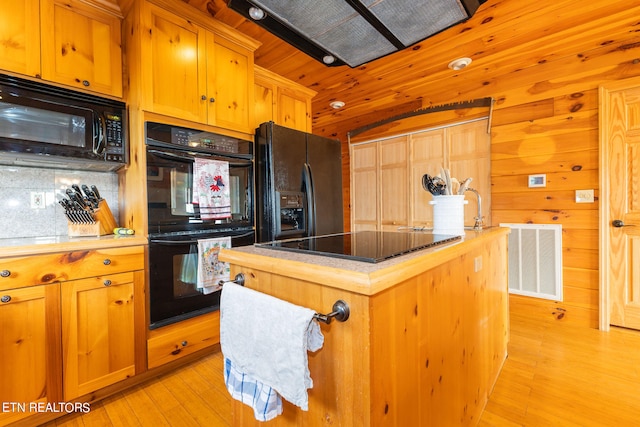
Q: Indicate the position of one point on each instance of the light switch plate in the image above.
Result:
(584, 196)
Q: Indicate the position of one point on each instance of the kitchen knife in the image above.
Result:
(96, 192)
(93, 199)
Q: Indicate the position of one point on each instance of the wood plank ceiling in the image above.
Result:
(504, 37)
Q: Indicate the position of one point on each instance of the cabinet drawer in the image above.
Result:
(178, 340)
(49, 268)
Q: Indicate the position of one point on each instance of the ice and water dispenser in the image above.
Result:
(292, 206)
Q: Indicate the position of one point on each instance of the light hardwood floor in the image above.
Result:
(556, 375)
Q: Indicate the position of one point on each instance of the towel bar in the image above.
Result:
(340, 313)
(340, 308)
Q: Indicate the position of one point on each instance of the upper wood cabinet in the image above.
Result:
(81, 46)
(189, 71)
(20, 36)
(66, 42)
(282, 101)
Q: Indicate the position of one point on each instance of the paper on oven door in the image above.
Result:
(211, 271)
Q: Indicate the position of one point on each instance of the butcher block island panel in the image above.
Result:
(426, 337)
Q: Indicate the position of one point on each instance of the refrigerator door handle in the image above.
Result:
(308, 189)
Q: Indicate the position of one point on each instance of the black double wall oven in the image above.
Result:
(177, 224)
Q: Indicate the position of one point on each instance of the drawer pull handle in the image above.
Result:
(184, 343)
(5, 298)
(106, 261)
(107, 282)
(5, 273)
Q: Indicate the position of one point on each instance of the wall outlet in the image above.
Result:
(37, 200)
(584, 196)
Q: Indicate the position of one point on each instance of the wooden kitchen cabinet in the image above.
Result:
(20, 36)
(71, 323)
(178, 340)
(380, 178)
(81, 46)
(282, 101)
(98, 324)
(364, 183)
(191, 72)
(67, 42)
(386, 175)
(30, 349)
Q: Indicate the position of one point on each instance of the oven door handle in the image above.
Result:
(194, 241)
(172, 156)
(166, 155)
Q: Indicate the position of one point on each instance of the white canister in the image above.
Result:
(448, 214)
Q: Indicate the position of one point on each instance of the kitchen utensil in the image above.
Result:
(429, 185)
(464, 185)
(447, 180)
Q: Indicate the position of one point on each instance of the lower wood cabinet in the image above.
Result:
(98, 325)
(81, 331)
(181, 339)
(30, 362)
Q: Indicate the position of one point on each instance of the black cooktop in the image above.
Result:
(367, 246)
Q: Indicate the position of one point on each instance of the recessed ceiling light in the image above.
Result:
(336, 105)
(459, 64)
(328, 59)
(257, 14)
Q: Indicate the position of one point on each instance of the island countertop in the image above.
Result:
(356, 276)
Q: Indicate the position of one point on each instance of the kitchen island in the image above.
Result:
(426, 337)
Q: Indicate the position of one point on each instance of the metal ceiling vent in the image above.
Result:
(354, 32)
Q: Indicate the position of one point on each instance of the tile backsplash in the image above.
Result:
(17, 183)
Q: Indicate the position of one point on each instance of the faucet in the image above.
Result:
(478, 224)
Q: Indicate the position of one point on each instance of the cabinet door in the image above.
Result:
(30, 354)
(173, 66)
(428, 156)
(264, 103)
(294, 110)
(98, 317)
(81, 46)
(20, 36)
(470, 156)
(229, 85)
(394, 183)
(364, 187)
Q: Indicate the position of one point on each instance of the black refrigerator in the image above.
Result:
(298, 184)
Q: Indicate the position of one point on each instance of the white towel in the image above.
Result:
(211, 271)
(268, 339)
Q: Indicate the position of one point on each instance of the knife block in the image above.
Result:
(104, 223)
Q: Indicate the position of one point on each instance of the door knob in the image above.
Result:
(618, 223)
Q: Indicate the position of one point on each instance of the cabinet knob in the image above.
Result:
(106, 261)
(86, 83)
(212, 100)
(107, 282)
(203, 97)
(5, 273)
(5, 298)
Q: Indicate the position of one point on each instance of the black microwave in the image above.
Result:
(47, 126)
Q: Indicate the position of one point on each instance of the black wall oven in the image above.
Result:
(179, 216)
